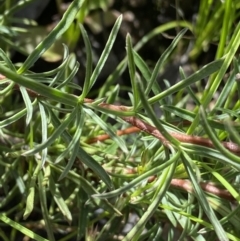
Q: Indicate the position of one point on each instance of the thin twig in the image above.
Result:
(233, 147)
(104, 137)
(186, 185)
(139, 125)
(208, 187)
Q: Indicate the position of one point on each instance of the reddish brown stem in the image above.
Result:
(150, 129)
(104, 137)
(208, 187)
(186, 185)
(179, 136)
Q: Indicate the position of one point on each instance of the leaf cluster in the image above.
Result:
(52, 165)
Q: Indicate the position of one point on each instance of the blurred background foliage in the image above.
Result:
(211, 24)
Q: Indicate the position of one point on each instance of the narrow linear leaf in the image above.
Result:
(21, 228)
(211, 134)
(69, 148)
(70, 77)
(6, 60)
(61, 72)
(233, 132)
(108, 129)
(83, 156)
(60, 201)
(203, 151)
(122, 65)
(165, 179)
(89, 61)
(233, 46)
(44, 208)
(189, 89)
(197, 220)
(31, 193)
(50, 72)
(71, 161)
(61, 27)
(16, 7)
(221, 207)
(162, 60)
(182, 113)
(88, 188)
(202, 199)
(227, 88)
(215, 81)
(13, 118)
(44, 132)
(223, 182)
(59, 130)
(132, 71)
(137, 180)
(142, 66)
(153, 117)
(106, 51)
(197, 76)
(28, 104)
(8, 88)
(83, 212)
(39, 88)
(74, 144)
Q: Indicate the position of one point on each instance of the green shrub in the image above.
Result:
(62, 158)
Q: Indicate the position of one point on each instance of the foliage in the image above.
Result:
(64, 157)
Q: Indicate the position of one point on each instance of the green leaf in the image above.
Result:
(44, 208)
(212, 135)
(153, 117)
(61, 27)
(28, 104)
(70, 77)
(74, 144)
(162, 60)
(132, 71)
(106, 51)
(210, 153)
(87, 83)
(44, 132)
(6, 60)
(40, 88)
(202, 198)
(88, 188)
(13, 118)
(230, 53)
(142, 66)
(61, 71)
(83, 212)
(59, 130)
(108, 129)
(137, 180)
(59, 200)
(164, 182)
(122, 65)
(189, 89)
(21, 228)
(31, 193)
(227, 87)
(232, 190)
(197, 76)
(83, 156)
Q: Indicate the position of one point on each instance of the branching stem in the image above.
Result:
(139, 125)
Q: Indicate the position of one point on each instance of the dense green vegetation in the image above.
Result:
(79, 158)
